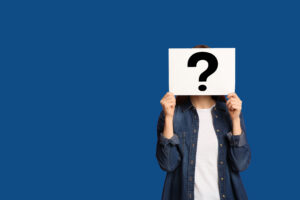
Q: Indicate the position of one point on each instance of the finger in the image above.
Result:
(235, 101)
(170, 94)
(161, 101)
(230, 106)
(168, 99)
(234, 105)
(235, 96)
(170, 103)
(164, 101)
(232, 95)
(229, 95)
(228, 102)
(166, 95)
(237, 107)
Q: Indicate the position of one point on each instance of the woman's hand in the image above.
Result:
(168, 103)
(234, 105)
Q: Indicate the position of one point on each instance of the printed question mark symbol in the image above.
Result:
(212, 65)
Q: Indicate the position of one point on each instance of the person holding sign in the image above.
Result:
(202, 145)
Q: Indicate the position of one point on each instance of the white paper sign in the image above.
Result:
(202, 71)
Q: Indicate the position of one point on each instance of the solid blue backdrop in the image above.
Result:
(81, 83)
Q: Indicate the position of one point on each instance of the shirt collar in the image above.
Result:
(220, 105)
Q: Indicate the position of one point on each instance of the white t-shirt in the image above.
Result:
(206, 170)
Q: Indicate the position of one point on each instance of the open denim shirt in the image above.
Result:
(177, 155)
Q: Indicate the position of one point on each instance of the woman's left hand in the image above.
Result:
(234, 105)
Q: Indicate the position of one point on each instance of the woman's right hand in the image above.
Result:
(168, 103)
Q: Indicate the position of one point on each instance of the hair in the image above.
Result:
(182, 99)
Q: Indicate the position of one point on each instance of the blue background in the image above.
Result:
(81, 83)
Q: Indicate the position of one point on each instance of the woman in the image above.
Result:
(202, 146)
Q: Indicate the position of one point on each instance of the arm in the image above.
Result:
(167, 152)
(239, 150)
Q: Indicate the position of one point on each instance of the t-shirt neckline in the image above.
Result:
(205, 109)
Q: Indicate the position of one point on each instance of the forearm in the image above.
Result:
(236, 127)
(168, 127)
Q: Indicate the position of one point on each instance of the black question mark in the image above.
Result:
(212, 65)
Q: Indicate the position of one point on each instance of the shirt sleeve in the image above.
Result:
(237, 140)
(167, 152)
(239, 151)
(164, 141)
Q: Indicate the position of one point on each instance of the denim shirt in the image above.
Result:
(177, 155)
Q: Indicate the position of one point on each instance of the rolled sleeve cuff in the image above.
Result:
(173, 140)
(237, 140)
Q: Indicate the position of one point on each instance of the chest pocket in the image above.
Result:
(224, 124)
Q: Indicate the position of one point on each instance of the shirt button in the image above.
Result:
(195, 130)
(195, 116)
(223, 195)
(218, 130)
(221, 145)
(222, 178)
(214, 108)
(221, 162)
(193, 145)
(192, 162)
(191, 178)
(216, 116)
(190, 196)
